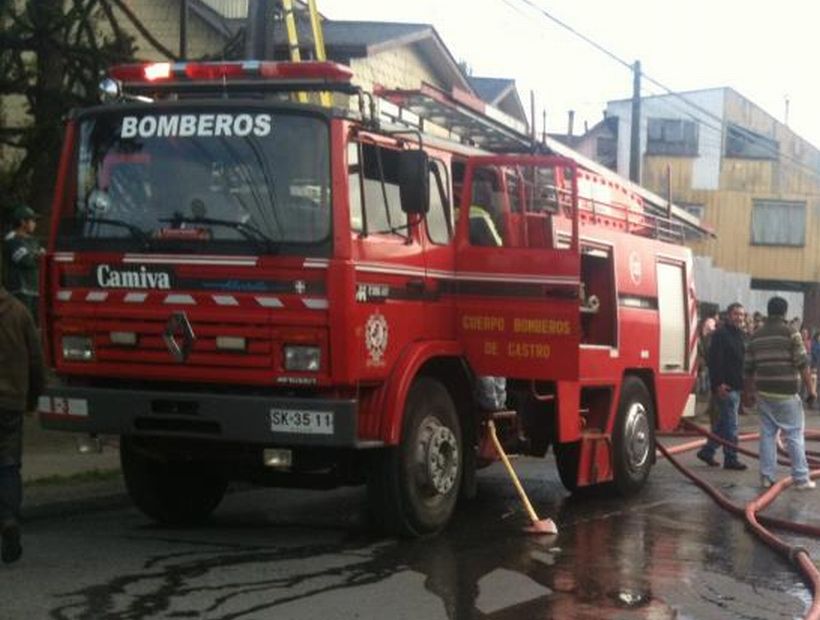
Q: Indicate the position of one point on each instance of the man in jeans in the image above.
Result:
(775, 362)
(21, 380)
(726, 376)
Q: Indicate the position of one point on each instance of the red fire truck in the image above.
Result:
(245, 285)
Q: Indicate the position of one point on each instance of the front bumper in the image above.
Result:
(193, 415)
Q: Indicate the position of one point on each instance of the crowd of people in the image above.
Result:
(751, 323)
(763, 361)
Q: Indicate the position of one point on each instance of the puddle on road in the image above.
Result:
(644, 558)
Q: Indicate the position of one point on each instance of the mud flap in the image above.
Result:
(595, 462)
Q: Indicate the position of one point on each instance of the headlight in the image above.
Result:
(78, 348)
(302, 358)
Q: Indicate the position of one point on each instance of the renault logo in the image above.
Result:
(179, 336)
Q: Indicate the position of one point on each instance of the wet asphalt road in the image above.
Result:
(267, 553)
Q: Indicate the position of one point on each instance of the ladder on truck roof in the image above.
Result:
(318, 42)
(475, 122)
(464, 115)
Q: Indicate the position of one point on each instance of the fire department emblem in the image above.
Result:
(635, 267)
(375, 338)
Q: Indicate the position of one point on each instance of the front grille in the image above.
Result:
(151, 347)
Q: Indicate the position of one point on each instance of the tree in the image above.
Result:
(52, 55)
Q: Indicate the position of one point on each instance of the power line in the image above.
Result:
(708, 113)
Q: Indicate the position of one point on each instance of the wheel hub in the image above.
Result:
(438, 456)
(637, 436)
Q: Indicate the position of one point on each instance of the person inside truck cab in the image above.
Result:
(483, 230)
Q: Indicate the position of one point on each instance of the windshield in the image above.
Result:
(244, 180)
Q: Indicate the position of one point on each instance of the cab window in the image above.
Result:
(375, 205)
(439, 217)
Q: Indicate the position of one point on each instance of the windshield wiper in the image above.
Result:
(136, 231)
(250, 232)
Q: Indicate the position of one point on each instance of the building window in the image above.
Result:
(740, 142)
(778, 222)
(672, 136)
(692, 208)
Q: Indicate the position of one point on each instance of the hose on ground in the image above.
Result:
(755, 522)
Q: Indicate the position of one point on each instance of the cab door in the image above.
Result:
(517, 267)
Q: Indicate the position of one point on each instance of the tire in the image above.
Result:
(413, 487)
(633, 437)
(170, 492)
(567, 458)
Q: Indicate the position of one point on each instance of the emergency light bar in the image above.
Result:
(166, 72)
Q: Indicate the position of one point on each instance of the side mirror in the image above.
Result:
(414, 181)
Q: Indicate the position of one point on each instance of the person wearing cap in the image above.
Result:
(21, 259)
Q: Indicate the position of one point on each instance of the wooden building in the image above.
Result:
(746, 175)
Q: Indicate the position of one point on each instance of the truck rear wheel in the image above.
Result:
(633, 438)
(567, 458)
(170, 492)
(413, 487)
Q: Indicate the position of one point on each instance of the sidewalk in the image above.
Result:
(53, 455)
(57, 479)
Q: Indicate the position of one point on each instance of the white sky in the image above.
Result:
(764, 51)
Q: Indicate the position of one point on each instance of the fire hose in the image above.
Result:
(754, 521)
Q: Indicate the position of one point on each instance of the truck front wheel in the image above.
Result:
(168, 491)
(413, 487)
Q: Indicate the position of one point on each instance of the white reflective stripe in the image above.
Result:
(180, 299)
(225, 300)
(269, 302)
(64, 295)
(316, 263)
(64, 257)
(315, 304)
(135, 298)
(516, 278)
(244, 261)
(96, 296)
(391, 269)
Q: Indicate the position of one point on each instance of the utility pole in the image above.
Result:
(533, 129)
(543, 126)
(635, 137)
(183, 29)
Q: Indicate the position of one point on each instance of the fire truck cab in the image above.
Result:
(246, 287)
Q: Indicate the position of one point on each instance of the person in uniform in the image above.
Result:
(21, 259)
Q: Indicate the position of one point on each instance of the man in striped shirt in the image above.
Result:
(775, 362)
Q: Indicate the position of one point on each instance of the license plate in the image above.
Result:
(301, 422)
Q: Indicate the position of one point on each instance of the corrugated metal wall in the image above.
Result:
(232, 9)
(721, 287)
